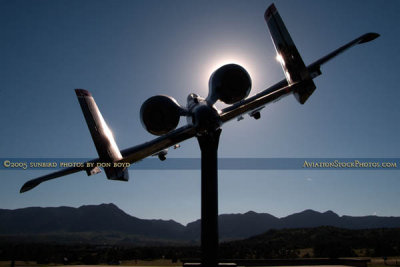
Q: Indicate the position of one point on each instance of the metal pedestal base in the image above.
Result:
(209, 197)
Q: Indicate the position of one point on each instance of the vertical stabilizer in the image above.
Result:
(287, 54)
(102, 136)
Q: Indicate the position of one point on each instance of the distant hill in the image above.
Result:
(106, 223)
(104, 219)
(240, 226)
(325, 241)
(237, 226)
(310, 218)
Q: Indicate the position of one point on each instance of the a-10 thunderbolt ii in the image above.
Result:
(230, 84)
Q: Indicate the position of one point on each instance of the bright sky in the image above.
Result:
(127, 51)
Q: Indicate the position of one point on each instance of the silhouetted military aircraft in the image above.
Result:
(230, 84)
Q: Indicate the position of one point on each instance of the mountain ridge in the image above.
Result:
(108, 222)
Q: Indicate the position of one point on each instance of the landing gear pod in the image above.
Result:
(230, 84)
(160, 114)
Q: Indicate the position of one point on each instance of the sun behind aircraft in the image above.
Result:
(230, 84)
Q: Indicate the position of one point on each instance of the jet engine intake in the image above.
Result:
(230, 83)
(160, 114)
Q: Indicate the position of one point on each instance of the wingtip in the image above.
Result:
(24, 189)
(82, 92)
(368, 37)
(28, 186)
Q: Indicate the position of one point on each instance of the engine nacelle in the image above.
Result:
(230, 84)
(160, 114)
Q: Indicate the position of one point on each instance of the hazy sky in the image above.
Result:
(127, 51)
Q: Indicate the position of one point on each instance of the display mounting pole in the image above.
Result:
(209, 197)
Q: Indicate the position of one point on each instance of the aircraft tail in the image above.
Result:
(287, 54)
(102, 137)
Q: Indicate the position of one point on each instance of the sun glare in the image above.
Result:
(279, 58)
(219, 62)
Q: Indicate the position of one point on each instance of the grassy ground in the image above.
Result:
(379, 262)
(153, 263)
(375, 262)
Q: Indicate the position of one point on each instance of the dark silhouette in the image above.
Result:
(107, 223)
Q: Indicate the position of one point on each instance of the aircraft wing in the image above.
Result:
(35, 182)
(282, 88)
(314, 68)
(269, 95)
(144, 150)
(107, 149)
(130, 155)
